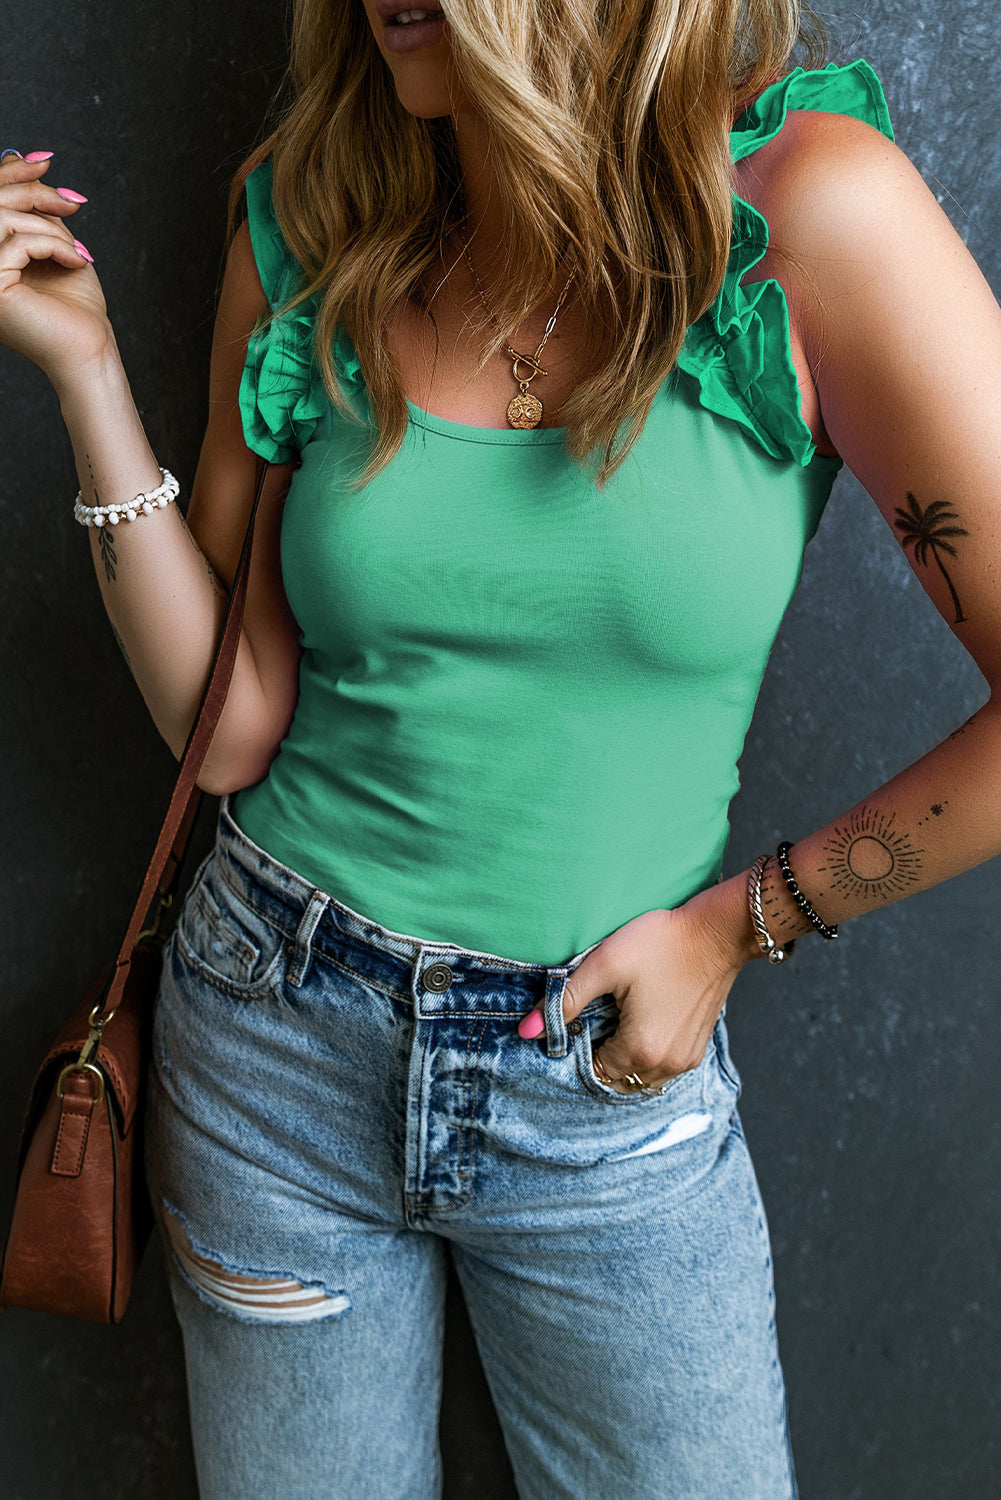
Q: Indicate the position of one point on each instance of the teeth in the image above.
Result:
(404, 17)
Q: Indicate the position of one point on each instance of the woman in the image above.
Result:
(488, 705)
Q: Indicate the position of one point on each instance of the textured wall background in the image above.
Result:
(870, 1069)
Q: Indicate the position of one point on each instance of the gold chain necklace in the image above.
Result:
(524, 410)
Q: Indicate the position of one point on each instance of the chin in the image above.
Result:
(424, 104)
(423, 87)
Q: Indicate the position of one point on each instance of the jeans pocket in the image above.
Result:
(597, 1026)
(724, 1059)
(223, 938)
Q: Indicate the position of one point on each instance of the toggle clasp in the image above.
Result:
(533, 363)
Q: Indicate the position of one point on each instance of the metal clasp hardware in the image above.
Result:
(78, 1067)
(97, 1022)
(93, 1041)
(163, 904)
(84, 1063)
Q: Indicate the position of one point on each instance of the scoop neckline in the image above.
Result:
(507, 436)
(464, 432)
(468, 433)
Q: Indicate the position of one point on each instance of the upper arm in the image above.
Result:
(903, 337)
(223, 491)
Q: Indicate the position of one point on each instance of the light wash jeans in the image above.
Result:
(335, 1108)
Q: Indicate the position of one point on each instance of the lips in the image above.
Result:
(410, 36)
(387, 9)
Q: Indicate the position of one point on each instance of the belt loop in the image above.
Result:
(316, 906)
(556, 1030)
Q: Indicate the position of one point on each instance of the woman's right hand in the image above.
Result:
(52, 308)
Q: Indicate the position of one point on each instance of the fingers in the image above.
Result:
(22, 187)
(592, 977)
(595, 975)
(14, 168)
(14, 222)
(24, 192)
(644, 1055)
(38, 196)
(31, 219)
(630, 1081)
(18, 251)
(532, 1024)
(655, 1044)
(633, 1073)
(638, 1067)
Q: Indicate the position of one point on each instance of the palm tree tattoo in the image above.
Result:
(927, 530)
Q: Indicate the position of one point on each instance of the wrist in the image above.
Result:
(783, 918)
(722, 909)
(114, 460)
(101, 371)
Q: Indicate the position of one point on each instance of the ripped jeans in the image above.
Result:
(335, 1108)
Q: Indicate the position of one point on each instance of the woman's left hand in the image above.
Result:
(670, 972)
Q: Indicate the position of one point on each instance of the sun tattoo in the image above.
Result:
(868, 856)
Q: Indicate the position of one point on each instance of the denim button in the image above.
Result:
(438, 977)
(575, 1027)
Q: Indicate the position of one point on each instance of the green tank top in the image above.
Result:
(522, 702)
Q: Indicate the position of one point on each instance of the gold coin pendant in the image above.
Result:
(524, 410)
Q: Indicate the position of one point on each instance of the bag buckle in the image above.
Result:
(78, 1067)
(84, 1063)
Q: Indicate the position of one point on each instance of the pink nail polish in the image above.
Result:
(71, 195)
(531, 1025)
(39, 155)
(82, 250)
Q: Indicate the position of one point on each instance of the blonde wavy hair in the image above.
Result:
(608, 125)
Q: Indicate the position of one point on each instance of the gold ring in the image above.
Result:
(599, 1067)
(634, 1081)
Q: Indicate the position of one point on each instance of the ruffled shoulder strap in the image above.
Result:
(270, 251)
(739, 350)
(281, 396)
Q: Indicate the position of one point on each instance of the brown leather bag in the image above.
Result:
(82, 1214)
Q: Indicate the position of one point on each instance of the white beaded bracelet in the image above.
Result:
(127, 510)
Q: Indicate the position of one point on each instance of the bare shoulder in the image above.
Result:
(902, 331)
(818, 167)
(843, 205)
(242, 298)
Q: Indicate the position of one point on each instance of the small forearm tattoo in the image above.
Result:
(104, 533)
(930, 531)
(219, 588)
(108, 555)
(869, 856)
(121, 647)
(93, 486)
(187, 529)
(775, 902)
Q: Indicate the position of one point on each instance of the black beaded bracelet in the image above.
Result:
(782, 855)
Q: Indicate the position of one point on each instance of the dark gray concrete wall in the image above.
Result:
(870, 1067)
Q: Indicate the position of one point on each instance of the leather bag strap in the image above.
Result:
(164, 866)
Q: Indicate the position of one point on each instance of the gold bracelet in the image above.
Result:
(775, 953)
